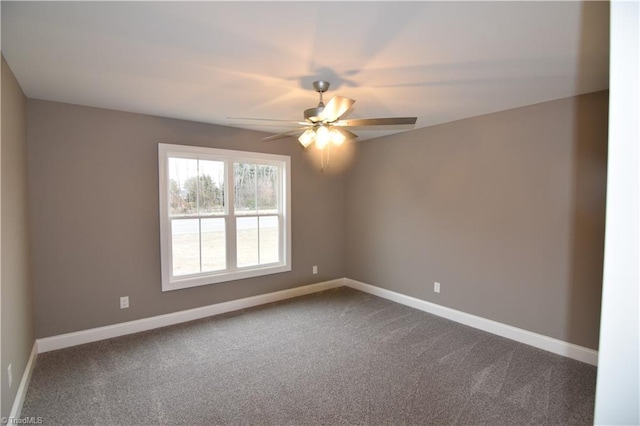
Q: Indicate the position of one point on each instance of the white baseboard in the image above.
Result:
(540, 341)
(16, 409)
(101, 333)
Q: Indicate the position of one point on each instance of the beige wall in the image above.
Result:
(505, 210)
(94, 207)
(17, 305)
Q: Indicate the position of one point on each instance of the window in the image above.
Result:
(224, 215)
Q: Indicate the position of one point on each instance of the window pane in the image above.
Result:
(211, 186)
(247, 241)
(244, 187)
(183, 175)
(185, 246)
(267, 189)
(198, 205)
(269, 239)
(214, 247)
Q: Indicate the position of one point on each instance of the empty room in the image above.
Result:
(319, 213)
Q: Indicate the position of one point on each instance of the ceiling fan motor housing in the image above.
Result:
(313, 114)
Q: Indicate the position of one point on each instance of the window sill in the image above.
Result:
(187, 282)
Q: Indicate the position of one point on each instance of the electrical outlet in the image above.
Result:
(315, 269)
(124, 302)
(10, 375)
(436, 287)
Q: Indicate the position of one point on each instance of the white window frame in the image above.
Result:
(229, 157)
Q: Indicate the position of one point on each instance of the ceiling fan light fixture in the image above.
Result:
(337, 138)
(326, 124)
(307, 137)
(323, 137)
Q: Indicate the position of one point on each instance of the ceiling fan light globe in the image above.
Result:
(307, 138)
(321, 145)
(323, 137)
(337, 138)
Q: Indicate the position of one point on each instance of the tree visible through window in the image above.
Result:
(211, 234)
(256, 206)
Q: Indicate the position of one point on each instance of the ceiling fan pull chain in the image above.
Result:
(324, 158)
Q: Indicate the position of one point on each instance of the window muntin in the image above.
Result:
(224, 215)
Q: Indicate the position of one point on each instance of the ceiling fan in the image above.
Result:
(325, 124)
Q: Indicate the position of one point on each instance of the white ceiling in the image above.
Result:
(206, 61)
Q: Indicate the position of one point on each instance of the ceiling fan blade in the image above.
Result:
(268, 121)
(282, 135)
(335, 108)
(390, 121)
(347, 134)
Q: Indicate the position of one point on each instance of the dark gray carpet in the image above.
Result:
(336, 357)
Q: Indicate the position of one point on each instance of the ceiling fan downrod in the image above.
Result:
(312, 114)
